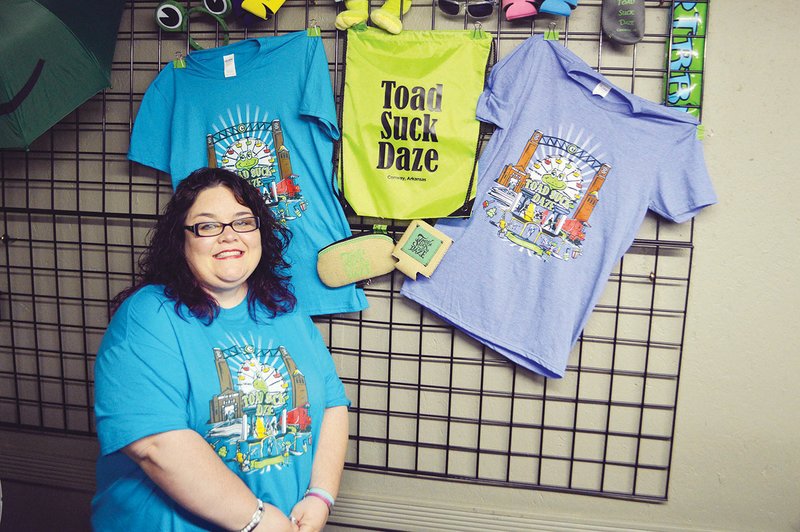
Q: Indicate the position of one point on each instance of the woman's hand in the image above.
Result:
(311, 514)
(273, 520)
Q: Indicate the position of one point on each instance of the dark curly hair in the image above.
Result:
(164, 261)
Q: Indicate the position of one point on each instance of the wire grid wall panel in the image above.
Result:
(428, 401)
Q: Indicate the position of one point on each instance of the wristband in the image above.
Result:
(256, 518)
(322, 495)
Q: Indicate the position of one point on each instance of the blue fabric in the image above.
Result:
(273, 123)
(256, 391)
(549, 224)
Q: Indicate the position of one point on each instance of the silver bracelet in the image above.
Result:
(256, 518)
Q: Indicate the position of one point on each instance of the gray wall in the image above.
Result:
(736, 463)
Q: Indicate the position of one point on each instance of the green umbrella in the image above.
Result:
(54, 55)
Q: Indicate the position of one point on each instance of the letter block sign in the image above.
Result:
(409, 132)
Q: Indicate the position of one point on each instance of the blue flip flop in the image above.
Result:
(558, 7)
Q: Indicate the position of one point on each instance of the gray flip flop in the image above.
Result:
(623, 20)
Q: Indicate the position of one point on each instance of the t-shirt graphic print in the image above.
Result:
(260, 417)
(542, 202)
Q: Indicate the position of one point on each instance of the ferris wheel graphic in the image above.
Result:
(257, 375)
(242, 146)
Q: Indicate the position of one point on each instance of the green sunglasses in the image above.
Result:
(172, 16)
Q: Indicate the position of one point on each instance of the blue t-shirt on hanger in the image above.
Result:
(264, 109)
(564, 185)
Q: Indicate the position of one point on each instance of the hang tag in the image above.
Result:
(230, 66)
(551, 34)
(602, 89)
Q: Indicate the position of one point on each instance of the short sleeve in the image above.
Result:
(141, 384)
(334, 389)
(506, 81)
(317, 97)
(150, 140)
(682, 186)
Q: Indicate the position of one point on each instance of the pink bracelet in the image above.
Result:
(314, 492)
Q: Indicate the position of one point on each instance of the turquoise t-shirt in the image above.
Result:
(262, 108)
(256, 391)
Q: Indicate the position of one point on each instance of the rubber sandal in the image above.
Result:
(558, 7)
(515, 9)
(623, 25)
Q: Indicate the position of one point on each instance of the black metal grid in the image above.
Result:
(427, 400)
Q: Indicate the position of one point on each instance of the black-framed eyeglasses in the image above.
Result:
(242, 225)
(476, 9)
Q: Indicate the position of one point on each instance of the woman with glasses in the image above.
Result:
(217, 403)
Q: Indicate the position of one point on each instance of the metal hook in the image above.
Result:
(551, 34)
(179, 62)
(477, 30)
(313, 29)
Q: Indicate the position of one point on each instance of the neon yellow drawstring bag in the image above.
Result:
(409, 132)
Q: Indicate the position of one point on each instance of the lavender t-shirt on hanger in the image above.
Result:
(564, 185)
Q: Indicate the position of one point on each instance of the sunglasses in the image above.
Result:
(172, 16)
(475, 9)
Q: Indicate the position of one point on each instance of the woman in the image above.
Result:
(217, 403)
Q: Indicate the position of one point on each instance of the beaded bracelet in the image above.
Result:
(322, 495)
(256, 517)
